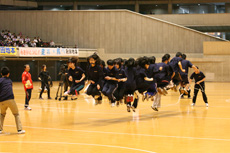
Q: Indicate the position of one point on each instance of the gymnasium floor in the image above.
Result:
(79, 126)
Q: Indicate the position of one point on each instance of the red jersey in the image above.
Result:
(26, 76)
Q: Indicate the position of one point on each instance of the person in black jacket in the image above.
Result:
(111, 85)
(76, 76)
(95, 77)
(44, 77)
(130, 85)
(199, 78)
(175, 63)
(119, 93)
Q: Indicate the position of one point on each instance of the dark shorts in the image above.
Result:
(184, 79)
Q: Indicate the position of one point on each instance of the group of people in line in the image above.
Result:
(122, 81)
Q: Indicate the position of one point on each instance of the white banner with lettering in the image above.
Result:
(47, 52)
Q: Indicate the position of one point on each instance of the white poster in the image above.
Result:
(47, 52)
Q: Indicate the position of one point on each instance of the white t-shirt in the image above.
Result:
(52, 43)
(27, 40)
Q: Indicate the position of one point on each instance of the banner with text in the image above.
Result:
(8, 51)
(47, 52)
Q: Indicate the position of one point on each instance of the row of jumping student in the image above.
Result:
(125, 79)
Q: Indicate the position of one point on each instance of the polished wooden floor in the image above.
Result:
(79, 126)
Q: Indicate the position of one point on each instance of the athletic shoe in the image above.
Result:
(160, 91)
(74, 97)
(28, 108)
(206, 104)
(175, 88)
(193, 104)
(182, 97)
(41, 98)
(133, 108)
(185, 91)
(21, 131)
(96, 102)
(49, 98)
(0, 132)
(99, 100)
(147, 96)
(154, 108)
(144, 96)
(152, 98)
(112, 104)
(181, 90)
(121, 101)
(66, 93)
(165, 91)
(189, 97)
(128, 108)
(66, 98)
(118, 102)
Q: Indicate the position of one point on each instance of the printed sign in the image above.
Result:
(47, 52)
(8, 51)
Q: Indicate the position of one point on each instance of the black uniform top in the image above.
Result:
(174, 63)
(161, 75)
(185, 65)
(95, 74)
(45, 76)
(170, 70)
(112, 73)
(6, 91)
(121, 75)
(198, 77)
(76, 74)
(141, 74)
(131, 74)
(104, 70)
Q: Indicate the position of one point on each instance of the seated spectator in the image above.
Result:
(35, 40)
(27, 39)
(52, 44)
(2, 33)
(9, 33)
(15, 39)
(26, 45)
(33, 44)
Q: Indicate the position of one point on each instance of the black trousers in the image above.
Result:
(198, 87)
(92, 90)
(119, 93)
(108, 90)
(142, 87)
(177, 78)
(28, 97)
(45, 85)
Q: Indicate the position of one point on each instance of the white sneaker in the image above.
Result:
(113, 104)
(0, 132)
(206, 104)
(66, 93)
(22, 132)
(28, 108)
(193, 104)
